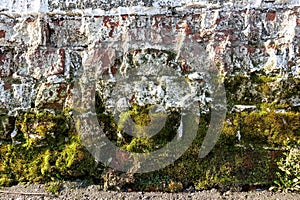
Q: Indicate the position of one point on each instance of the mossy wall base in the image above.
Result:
(252, 160)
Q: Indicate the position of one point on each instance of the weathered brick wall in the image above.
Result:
(41, 52)
(44, 44)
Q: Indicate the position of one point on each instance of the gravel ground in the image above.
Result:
(74, 191)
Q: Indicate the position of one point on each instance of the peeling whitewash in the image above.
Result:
(43, 44)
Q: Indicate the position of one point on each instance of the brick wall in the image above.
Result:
(40, 52)
(45, 45)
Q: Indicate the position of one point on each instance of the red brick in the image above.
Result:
(7, 86)
(50, 62)
(271, 15)
(2, 34)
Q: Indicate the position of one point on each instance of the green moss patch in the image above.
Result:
(57, 154)
(44, 149)
(252, 160)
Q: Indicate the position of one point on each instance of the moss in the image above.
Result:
(41, 128)
(140, 145)
(74, 160)
(175, 187)
(58, 155)
(151, 182)
(234, 163)
(240, 89)
(6, 181)
(54, 186)
(141, 118)
(257, 88)
(271, 128)
(67, 156)
(45, 165)
(288, 176)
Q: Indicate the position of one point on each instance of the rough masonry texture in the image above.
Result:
(45, 45)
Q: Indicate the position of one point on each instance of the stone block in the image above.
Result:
(52, 96)
(41, 63)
